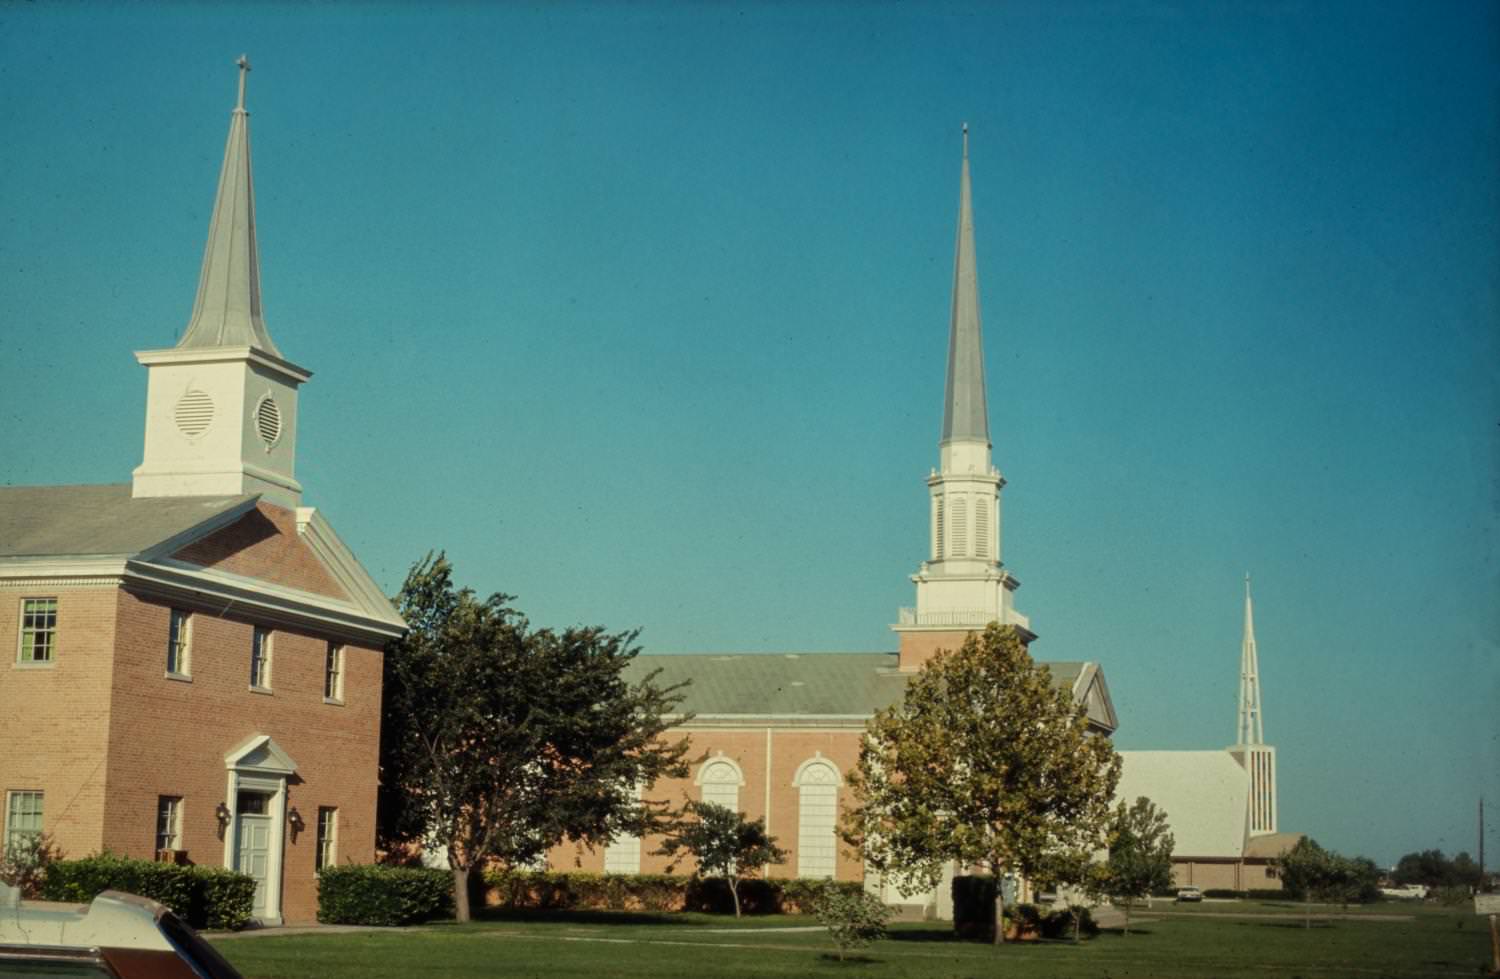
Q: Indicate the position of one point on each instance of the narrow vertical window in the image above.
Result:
(982, 526)
(333, 673)
(817, 784)
(260, 659)
(23, 815)
(938, 543)
(960, 535)
(178, 641)
(38, 630)
(328, 836)
(168, 823)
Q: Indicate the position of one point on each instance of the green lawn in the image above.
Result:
(1431, 942)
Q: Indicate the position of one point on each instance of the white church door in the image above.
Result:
(252, 834)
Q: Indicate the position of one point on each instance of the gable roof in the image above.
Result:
(103, 521)
(102, 533)
(828, 688)
(1205, 795)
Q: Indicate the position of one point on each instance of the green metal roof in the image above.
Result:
(825, 685)
(98, 521)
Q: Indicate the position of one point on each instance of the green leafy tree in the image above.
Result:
(1140, 854)
(24, 862)
(1079, 877)
(854, 919)
(723, 843)
(984, 761)
(499, 740)
(1308, 870)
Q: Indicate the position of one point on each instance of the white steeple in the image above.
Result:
(1250, 731)
(962, 586)
(221, 406)
(1250, 749)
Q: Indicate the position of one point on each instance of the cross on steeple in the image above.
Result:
(244, 64)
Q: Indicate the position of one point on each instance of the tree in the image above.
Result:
(722, 842)
(1078, 872)
(1306, 869)
(1140, 853)
(984, 761)
(1432, 868)
(854, 918)
(498, 740)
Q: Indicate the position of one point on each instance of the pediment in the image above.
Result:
(1093, 693)
(260, 754)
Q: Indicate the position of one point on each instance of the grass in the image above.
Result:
(1431, 942)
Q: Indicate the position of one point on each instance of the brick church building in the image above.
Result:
(196, 667)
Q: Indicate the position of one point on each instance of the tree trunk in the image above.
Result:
(1128, 902)
(461, 893)
(1307, 909)
(1000, 912)
(734, 892)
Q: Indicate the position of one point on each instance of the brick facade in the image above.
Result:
(264, 545)
(768, 758)
(104, 731)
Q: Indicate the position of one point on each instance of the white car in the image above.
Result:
(1189, 894)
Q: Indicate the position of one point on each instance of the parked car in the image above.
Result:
(119, 936)
(1189, 894)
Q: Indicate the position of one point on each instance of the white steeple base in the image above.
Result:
(220, 421)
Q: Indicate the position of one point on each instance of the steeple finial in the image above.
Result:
(227, 310)
(965, 415)
(244, 64)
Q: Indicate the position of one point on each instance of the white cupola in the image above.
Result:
(221, 406)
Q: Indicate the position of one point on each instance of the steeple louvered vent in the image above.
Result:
(194, 413)
(268, 421)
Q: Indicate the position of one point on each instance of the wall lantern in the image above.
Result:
(221, 813)
(295, 819)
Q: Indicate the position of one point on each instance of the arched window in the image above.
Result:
(623, 854)
(719, 781)
(817, 783)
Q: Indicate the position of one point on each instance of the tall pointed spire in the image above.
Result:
(227, 310)
(964, 411)
(1250, 732)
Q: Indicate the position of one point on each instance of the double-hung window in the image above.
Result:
(333, 673)
(23, 815)
(168, 822)
(179, 640)
(38, 630)
(328, 837)
(260, 659)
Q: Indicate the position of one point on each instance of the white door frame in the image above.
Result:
(259, 765)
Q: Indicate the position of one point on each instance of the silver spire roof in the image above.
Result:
(964, 412)
(227, 310)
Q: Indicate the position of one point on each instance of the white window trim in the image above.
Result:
(186, 659)
(799, 782)
(176, 826)
(29, 664)
(332, 838)
(267, 659)
(9, 831)
(336, 696)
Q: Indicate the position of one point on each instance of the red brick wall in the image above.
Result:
(54, 721)
(264, 544)
(169, 737)
(789, 748)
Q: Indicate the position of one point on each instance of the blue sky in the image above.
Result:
(639, 311)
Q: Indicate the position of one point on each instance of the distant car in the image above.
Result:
(119, 936)
(1189, 894)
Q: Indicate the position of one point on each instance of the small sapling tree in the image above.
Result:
(1140, 853)
(723, 843)
(854, 919)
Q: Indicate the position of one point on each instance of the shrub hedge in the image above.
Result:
(974, 914)
(204, 897)
(650, 892)
(373, 894)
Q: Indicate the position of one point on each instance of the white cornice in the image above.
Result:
(340, 561)
(269, 603)
(215, 355)
(719, 722)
